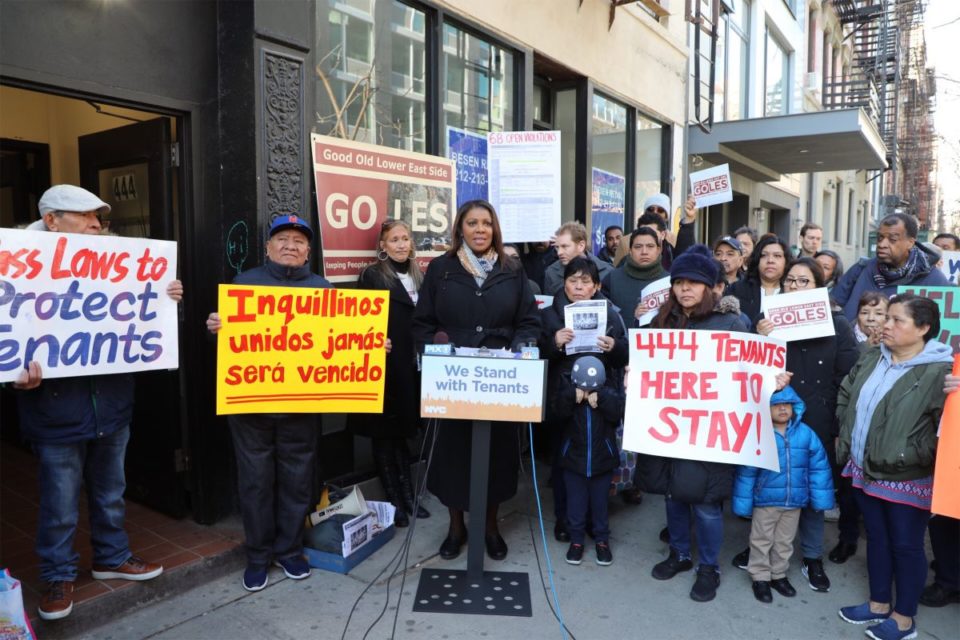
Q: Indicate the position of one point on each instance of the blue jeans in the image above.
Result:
(895, 552)
(810, 532)
(63, 468)
(709, 522)
(587, 496)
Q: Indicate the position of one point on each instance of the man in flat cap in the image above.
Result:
(79, 428)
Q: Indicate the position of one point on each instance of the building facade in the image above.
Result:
(203, 110)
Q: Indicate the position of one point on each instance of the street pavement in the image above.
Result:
(618, 601)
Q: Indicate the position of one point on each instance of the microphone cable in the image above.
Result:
(555, 604)
(401, 555)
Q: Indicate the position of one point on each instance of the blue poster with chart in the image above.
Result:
(469, 151)
(607, 207)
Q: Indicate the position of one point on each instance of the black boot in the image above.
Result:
(406, 484)
(387, 470)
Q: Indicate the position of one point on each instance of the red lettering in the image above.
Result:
(242, 315)
(55, 271)
(666, 415)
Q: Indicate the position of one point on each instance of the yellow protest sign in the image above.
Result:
(300, 350)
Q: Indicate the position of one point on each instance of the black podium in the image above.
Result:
(489, 393)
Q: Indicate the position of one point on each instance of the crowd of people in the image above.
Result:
(855, 414)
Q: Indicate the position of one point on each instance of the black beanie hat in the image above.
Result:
(696, 264)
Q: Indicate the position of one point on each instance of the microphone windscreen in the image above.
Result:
(441, 337)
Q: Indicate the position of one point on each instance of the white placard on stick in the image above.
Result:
(525, 183)
(652, 298)
(711, 186)
(799, 315)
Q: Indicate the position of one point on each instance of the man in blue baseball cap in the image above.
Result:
(276, 452)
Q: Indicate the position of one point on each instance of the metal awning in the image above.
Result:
(764, 148)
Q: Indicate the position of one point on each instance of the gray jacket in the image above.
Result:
(553, 277)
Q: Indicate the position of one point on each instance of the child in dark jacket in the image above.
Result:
(590, 409)
(775, 499)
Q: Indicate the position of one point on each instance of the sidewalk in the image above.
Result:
(621, 600)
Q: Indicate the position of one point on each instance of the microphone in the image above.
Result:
(441, 345)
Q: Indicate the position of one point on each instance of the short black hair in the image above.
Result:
(951, 237)
(809, 263)
(644, 231)
(582, 265)
(613, 226)
(649, 217)
(909, 222)
(924, 312)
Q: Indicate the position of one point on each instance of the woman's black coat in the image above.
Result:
(501, 312)
(819, 366)
(747, 291)
(401, 398)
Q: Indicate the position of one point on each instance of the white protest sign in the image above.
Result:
(950, 266)
(703, 395)
(799, 315)
(652, 298)
(543, 301)
(83, 304)
(524, 183)
(711, 186)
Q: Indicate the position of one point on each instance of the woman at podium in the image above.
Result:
(471, 297)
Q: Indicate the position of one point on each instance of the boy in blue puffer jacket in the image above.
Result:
(775, 499)
(590, 407)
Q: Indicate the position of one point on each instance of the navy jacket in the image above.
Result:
(589, 445)
(805, 477)
(859, 279)
(66, 410)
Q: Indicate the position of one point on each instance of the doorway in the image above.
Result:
(128, 157)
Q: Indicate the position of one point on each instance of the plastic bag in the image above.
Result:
(14, 623)
(623, 475)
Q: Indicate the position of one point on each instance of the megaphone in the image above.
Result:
(353, 504)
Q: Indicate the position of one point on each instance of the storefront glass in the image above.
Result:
(649, 161)
(476, 85)
(608, 167)
(371, 73)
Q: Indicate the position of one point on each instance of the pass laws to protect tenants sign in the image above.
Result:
(301, 350)
(360, 186)
(82, 304)
(703, 395)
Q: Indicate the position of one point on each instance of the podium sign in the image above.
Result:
(478, 388)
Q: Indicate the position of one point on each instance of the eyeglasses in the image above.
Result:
(800, 282)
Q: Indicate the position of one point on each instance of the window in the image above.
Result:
(371, 72)
(609, 167)
(732, 55)
(811, 41)
(850, 215)
(477, 83)
(649, 161)
(776, 78)
(838, 212)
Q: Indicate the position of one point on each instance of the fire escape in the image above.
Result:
(882, 48)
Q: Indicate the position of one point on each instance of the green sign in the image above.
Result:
(948, 299)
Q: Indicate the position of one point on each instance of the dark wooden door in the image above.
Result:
(131, 168)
